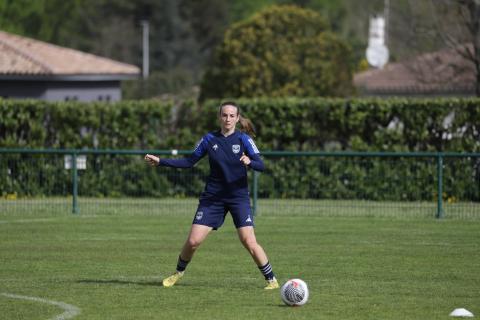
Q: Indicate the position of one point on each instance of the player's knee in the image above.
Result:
(249, 244)
(194, 243)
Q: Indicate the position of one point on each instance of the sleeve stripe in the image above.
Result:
(255, 149)
(198, 145)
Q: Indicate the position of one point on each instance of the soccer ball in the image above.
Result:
(294, 292)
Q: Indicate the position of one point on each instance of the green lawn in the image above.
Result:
(109, 264)
(314, 207)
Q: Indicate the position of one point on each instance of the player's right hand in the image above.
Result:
(152, 160)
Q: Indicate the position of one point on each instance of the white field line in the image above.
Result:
(70, 310)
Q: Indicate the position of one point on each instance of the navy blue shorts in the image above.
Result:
(211, 212)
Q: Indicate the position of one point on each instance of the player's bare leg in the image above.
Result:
(198, 233)
(249, 241)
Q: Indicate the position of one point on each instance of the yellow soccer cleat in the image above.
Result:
(170, 281)
(272, 284)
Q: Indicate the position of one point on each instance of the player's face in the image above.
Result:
(228, 118)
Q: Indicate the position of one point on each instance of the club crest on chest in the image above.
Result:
(236, 148)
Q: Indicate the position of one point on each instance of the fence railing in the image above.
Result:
(397, 182)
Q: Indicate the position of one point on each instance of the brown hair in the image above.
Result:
(245, 123)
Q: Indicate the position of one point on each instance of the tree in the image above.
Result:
(183, 33)
(40, 19)
(466, 42)
(280, 51)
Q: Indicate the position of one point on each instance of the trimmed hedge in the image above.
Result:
(366, 124)
(447, 125)
(40, 124)
(282, 124)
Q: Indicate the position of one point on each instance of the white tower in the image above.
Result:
(377, 52)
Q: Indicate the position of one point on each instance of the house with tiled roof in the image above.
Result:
(38, 70)
(439, 74)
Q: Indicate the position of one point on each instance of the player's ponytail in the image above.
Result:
(247, 126)
(245, 123)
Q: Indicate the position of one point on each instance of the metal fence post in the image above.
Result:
(439, 186)
(75, 183)
(255, 192)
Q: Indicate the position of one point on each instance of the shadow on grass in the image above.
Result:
(285, 306)
(158, 283)
(121, 282)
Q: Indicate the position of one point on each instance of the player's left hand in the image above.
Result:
(245, 159)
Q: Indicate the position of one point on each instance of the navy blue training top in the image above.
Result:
(228, 175)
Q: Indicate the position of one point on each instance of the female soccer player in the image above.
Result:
(230, 153)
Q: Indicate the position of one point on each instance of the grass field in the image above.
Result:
(314, 207)
(109, 265)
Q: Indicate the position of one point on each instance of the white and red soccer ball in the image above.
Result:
(294, 292)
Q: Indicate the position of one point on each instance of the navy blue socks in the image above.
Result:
(267, 271)
(181, 264)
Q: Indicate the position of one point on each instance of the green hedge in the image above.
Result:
(365, 124)
(282, 124)
(39, 124)
(448, 125)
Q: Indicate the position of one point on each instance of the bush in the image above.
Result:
(292, 124)
(281, 51)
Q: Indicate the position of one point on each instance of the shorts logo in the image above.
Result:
(236, 148)
(248, 219)
(199, 215)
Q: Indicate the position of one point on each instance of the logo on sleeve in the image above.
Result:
(236, 148)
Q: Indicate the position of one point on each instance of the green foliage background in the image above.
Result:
(451, 125)
(280, 51)
(294, 124)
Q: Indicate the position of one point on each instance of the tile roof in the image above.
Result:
(24, 56)
(437, 73)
